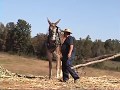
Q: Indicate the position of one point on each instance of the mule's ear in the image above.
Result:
(49, 21)
(57, 22)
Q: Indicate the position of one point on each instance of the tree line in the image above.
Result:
(16, 38)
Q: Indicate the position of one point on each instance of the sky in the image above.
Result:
(98, 18)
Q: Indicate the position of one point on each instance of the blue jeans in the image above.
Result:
(66, 68)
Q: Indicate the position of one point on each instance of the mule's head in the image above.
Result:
(53, 29)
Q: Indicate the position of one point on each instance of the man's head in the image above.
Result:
(67, 32)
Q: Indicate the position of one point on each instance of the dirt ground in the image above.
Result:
(90, 78)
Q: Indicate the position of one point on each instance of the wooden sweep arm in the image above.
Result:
(97, 61)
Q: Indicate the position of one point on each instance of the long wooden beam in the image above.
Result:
(97, 61)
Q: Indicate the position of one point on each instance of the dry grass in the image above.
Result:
(91, 79)
(22, 65)
(85, 83)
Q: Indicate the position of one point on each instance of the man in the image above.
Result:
(68, 55)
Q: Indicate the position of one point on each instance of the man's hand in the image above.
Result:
(69, 55)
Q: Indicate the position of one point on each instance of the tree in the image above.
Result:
(83, 49)
(112, 46)
(3, 36)
(19, 37)
(98, 48)
(22, 36)
(79, 49)
(10, 27)
(87, 45)
(2, 41)
(39, 44)
(117, 45)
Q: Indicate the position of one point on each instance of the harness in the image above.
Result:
(52, 45)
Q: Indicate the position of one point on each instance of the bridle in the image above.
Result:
(53, 39)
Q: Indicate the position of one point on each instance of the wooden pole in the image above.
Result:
(93, 62)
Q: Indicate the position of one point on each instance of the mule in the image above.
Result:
(54, 41)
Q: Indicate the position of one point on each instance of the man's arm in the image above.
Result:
(70, 51)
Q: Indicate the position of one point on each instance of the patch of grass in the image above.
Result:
(4, 61)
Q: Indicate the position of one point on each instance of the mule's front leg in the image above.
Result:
(49, 55)
(50, 69)
(58, 67)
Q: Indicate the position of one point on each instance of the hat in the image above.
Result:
(67, 30)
